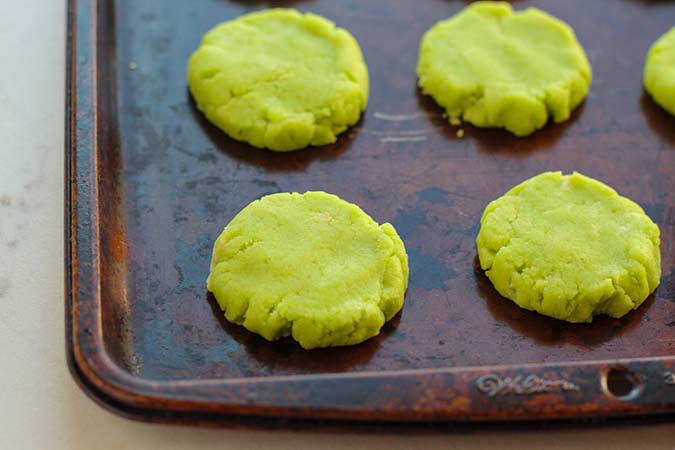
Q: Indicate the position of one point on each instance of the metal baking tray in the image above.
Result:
(150, 184)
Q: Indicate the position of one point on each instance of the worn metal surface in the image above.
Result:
(151, 184)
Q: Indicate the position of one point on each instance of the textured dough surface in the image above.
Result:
(659, 77)
(311, 266)
(279, 79)
(569, 247)
(494, 67)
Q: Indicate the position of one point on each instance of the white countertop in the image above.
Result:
(42, 408)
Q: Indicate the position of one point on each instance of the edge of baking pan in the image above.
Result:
(415, 399)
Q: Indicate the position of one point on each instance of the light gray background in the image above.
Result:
(40, 406)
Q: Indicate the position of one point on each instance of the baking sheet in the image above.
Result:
(152, 183)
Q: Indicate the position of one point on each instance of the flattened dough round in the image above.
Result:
(494, 67)
(311, 266)
(659, 77)
(279, 79)
(569, 247)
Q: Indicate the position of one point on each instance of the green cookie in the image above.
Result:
(495, 68)
(569, 247)
(310, 266)
(659, 77)
(279, 79)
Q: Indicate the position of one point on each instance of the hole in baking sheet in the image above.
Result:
(621, 384)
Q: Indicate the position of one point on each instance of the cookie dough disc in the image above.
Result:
(495, 68)
(659, 77)
(569, 247)
(279, 79)
(311, 266)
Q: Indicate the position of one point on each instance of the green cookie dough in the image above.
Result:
(279, 79)
(659, 77)
(569, 247)
(495, 68)
(311, 266)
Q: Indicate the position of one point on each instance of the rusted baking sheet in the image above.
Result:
(150, 184)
